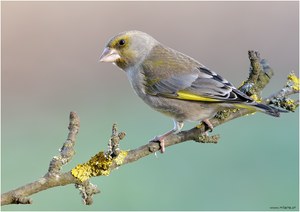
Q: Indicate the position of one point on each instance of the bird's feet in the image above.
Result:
(177, 127)
(208, 124)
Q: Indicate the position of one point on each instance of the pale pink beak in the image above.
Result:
(109, 55)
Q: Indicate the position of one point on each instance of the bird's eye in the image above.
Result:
(122, 42)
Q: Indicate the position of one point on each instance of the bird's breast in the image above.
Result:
(136, 80)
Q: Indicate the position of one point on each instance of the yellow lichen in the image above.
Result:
(120, 158)
(223, 114)
(295, 80)
(242, 84)
(256, 98)
(288, 104)
(96, 166)
(81, 172)
(100, 165)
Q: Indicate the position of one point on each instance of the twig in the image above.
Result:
(67, 151)
(114, 143)
(281, 99)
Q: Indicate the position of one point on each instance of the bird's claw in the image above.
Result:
(208, 124)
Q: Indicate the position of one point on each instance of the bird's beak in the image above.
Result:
(109, 55)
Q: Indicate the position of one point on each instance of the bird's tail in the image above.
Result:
(267, 109)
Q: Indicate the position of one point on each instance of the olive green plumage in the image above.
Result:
(174, 83)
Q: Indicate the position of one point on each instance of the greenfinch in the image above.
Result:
(174, 83)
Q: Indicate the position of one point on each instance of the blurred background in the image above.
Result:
(50, 53)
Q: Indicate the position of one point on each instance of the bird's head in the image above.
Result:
(128, 49)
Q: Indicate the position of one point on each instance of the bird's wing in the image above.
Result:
(199, 85)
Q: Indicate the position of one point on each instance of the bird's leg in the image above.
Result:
(210, 126)
(177, 127)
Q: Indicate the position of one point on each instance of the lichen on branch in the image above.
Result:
(282, 99)
(98, 165)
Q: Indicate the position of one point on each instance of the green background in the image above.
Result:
(50, 53)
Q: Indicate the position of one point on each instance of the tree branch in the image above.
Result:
(104, 162)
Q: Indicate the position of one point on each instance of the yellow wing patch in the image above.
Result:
(193, 97)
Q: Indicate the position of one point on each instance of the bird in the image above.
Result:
(174, 83)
